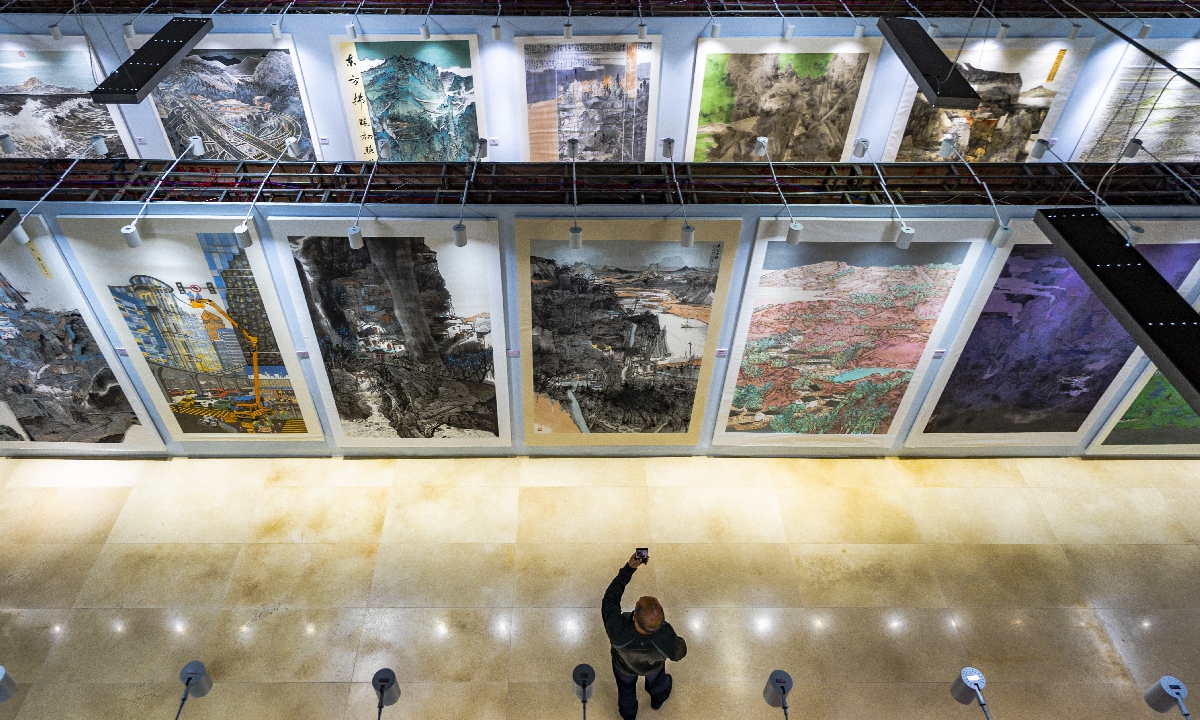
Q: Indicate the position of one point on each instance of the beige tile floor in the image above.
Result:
(1071, 584)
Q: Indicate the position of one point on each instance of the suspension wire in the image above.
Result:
(281, 15)
(1121, 151)
(848, 10)
(1055, 9)
(986, 189)
(778, 188)
(263, 184)
(679, 189)
(917, 11)
(1167, 167)
(53, 187)
(366, 190)
(1145, 51)
(462, 205)
(1099, 200)
(883, 182)
(963, 44)
(157, 185)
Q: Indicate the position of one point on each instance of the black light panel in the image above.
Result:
(937, 77)
(1151, 311)
(141, 73)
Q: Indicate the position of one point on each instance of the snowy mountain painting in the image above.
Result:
(44, 104)
(244, 103)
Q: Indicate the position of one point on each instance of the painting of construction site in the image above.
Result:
(210, 345)
(619, 330)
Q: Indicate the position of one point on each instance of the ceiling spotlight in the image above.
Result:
(130, 32)
(244, 240)
(968, 687)
(860, 147)
(1073, 33)
(668, 148)
(424, 31)
(386, 688)
(1165, 694)
(714, 30)
(1003, 31)
(1001, 234)
(18, 233)
(354, 233)
(788, 31)
(933, 30)
(779, 684)
(760, 146)
(276, 31)
(568, 30)
(460, 235)
(642, 31)
(131, 236)
(481, 148)
(793, 233)
(1132, 148)
(7, 146)
(98, 145)
(196, 682)
(858, 31)
(905, 237)
(196, 145)
(1039, 149)
(56, 32)
(576, 238)
(496, 31)
(351, 31)
(947, 147)
(385, 151)
(687, 236)
(291, 147)
(1144, 31)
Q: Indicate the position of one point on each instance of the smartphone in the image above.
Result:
(642, 554)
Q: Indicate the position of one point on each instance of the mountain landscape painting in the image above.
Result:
(601, 91)
(416, 98)
(55, 384)
(244, 103)
(803, 102)
(1018, 84)
(45, 106)
(404, 357)
(619, 330)
(836, 334)
(1044, 349)
(1158, 416)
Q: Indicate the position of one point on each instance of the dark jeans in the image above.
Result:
(658, 684)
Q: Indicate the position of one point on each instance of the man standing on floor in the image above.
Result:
(642, 642)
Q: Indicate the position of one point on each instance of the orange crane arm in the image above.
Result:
(199, 302)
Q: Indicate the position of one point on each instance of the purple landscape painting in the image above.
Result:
(1044, 348)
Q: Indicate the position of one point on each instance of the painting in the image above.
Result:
(602, 91)
(241, 93)
(59, 382)
(410, 329)
(806, 95)
(410, 99)
(197, 315)
(1147, 101)
(618, 338)
(1044, 349)
(44, 101)
(1023, 84)
(1158, 416)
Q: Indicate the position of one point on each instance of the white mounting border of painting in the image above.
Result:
(108, 226)
(70, 42)
(282, 227)
(843, 230)
(245, 41)
(768, 45)
(1145, 369)
(1024, 233)
(42, 242)
(1077, 52)
(335, 42)
(655, 80)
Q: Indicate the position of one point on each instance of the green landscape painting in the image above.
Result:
(1159, 416)
(803, 102)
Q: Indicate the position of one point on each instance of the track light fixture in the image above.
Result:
(355, 236)
(56, 32)
(496, 35)
(575, 238)
(7, 145)
(129, 233)
(794, 226)
(351, 31)
(687, 234)
(1043, 146)
(425, 31)
(129, 30)
(968, 687)
(906, 234)
(459, 229)
(1001, 233)
(276, 31)
(1003, 31)
(1165, 694)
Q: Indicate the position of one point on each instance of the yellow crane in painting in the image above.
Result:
(246, 413)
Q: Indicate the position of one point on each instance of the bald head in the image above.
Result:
(648, 614)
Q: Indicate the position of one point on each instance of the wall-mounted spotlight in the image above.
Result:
(584, 678)
(98, 146)
(496, 35)
(788, 31)
(56, 32)
(129, 30)
(932, 31)
(642, 31)
(386, 688)
(1144, 31)
(196, 682)
(794, 226)
(860, 147)
(195, 146)
(7, 145)
(276, 31)
(968, 687)
(568, 30)
(687, 234)
(354, 233)
(425, 31)
(1167, 693)
(1003, 31)
(779, 684)
(714, 30)
(1073, 33)
(8, 685)
(351, 31)
(575, 237)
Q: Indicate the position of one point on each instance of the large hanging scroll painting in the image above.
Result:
(44, 102)
(202, 325)
(1147, 101)
(241, 93)
(806, 95)
(410, 330)
(602, 91)
(1024, 84)
(1044, 357)
(836, 331)
(618, 339)
(419, 98)
(61, 385)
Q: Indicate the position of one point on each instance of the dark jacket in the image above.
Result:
(633, 652)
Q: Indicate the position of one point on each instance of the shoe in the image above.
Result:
(656, 705)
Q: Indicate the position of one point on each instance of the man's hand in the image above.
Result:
(635, 561)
